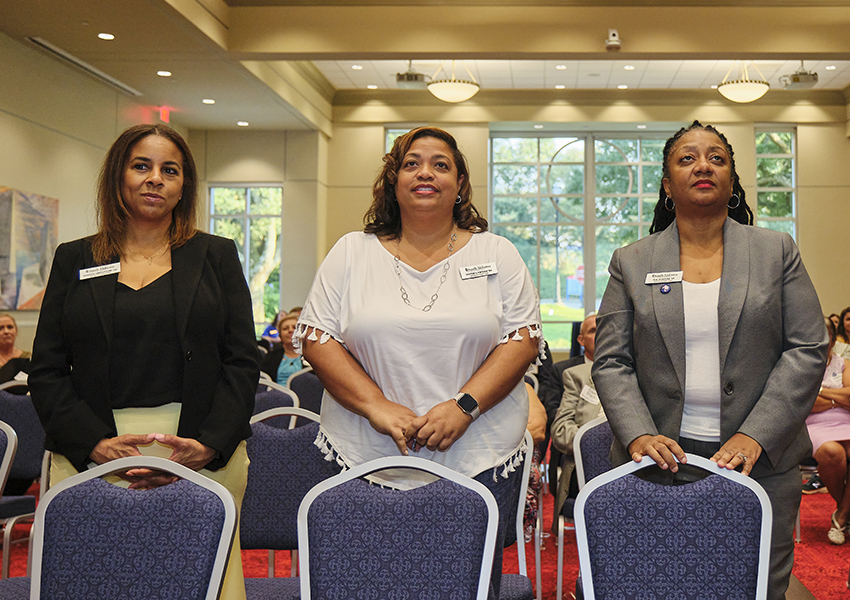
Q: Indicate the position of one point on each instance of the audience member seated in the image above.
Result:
(13, 361)
(842, 329)
(829, 428)
(549, 391)
(282, 360)
(537, 429)
(579, 404)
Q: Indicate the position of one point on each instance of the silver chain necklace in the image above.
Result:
(435, 295)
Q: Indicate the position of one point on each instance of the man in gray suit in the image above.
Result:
(579, 404)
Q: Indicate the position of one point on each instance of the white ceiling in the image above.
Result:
(152, 34)
(581, 75)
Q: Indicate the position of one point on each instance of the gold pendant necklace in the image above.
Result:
(152, 256)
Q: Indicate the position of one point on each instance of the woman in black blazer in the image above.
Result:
(145, 342)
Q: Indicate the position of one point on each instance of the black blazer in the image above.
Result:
(69, 380)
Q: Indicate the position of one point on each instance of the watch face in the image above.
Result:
(467, 403)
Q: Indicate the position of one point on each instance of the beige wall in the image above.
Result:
(56, 125)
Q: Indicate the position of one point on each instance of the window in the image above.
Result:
(567, 203)
(251, 217)
(776, 185)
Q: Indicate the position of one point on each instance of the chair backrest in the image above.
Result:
(8, 446)
(19, 412)
(285, 465)
(357, 539)
(19, 385)
(273, 395)
(95, 539)
(673, 540)
(310, 390)
(592, 448)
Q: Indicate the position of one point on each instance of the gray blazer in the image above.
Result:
(773, 344)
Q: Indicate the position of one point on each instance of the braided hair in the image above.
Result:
(663, 217)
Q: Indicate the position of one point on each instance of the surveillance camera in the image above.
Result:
(613, 41)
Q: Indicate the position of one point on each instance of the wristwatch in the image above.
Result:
(468, 404)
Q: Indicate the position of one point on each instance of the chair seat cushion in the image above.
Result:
(12, 506)
(15, 588)
(277, 588)
(515, 587)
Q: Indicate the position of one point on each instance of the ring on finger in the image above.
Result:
(743, 458)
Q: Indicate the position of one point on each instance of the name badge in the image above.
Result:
(589, 394)
(667, 277)
(100, 271)
(475, 271)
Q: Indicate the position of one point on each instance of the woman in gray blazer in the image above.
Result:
(710, 337)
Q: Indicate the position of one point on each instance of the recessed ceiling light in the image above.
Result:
(538, 126)
(830, 67)
(106, 36)
(372, 87)
(242, 123)
(357, 67)
(560, 86)
(641, 126)
(164, 73)
(622, 86)
(561, 67)
(208, 101)
(629, 67)
(714, 86)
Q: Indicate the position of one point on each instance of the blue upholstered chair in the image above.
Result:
(592, 447)
(18, 411)
(310, 390)
(285, 465)
(273, 395)
(95, 539)
(358, 540)
(705, 539)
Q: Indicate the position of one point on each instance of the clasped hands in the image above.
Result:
(437, 429)
(185, 451)
(740, 450)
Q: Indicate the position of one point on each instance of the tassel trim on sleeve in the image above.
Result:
(535, 331)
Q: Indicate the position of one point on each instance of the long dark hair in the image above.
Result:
(383, 217)
(840, 330)
(112, 213)
(663, 217)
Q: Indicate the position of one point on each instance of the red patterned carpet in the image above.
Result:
(820, 566)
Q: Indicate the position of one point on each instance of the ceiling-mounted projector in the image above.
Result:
(799, 80)
(411, 80)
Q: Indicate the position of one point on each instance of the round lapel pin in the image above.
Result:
(665, 289)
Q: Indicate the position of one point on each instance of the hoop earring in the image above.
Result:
(669, 204)
(737, 203)
(459, 199)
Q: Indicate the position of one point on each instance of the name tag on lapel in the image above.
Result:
(475, 271)
(665, 277)
(100, 271)
(588, 394)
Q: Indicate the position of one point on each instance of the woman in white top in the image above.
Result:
(829, 428)
(710, 338)
(422, 326)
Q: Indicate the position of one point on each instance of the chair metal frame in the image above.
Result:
(394, 462)
(694, 460)
(122, 464)
(562, 523)
(296, 402)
